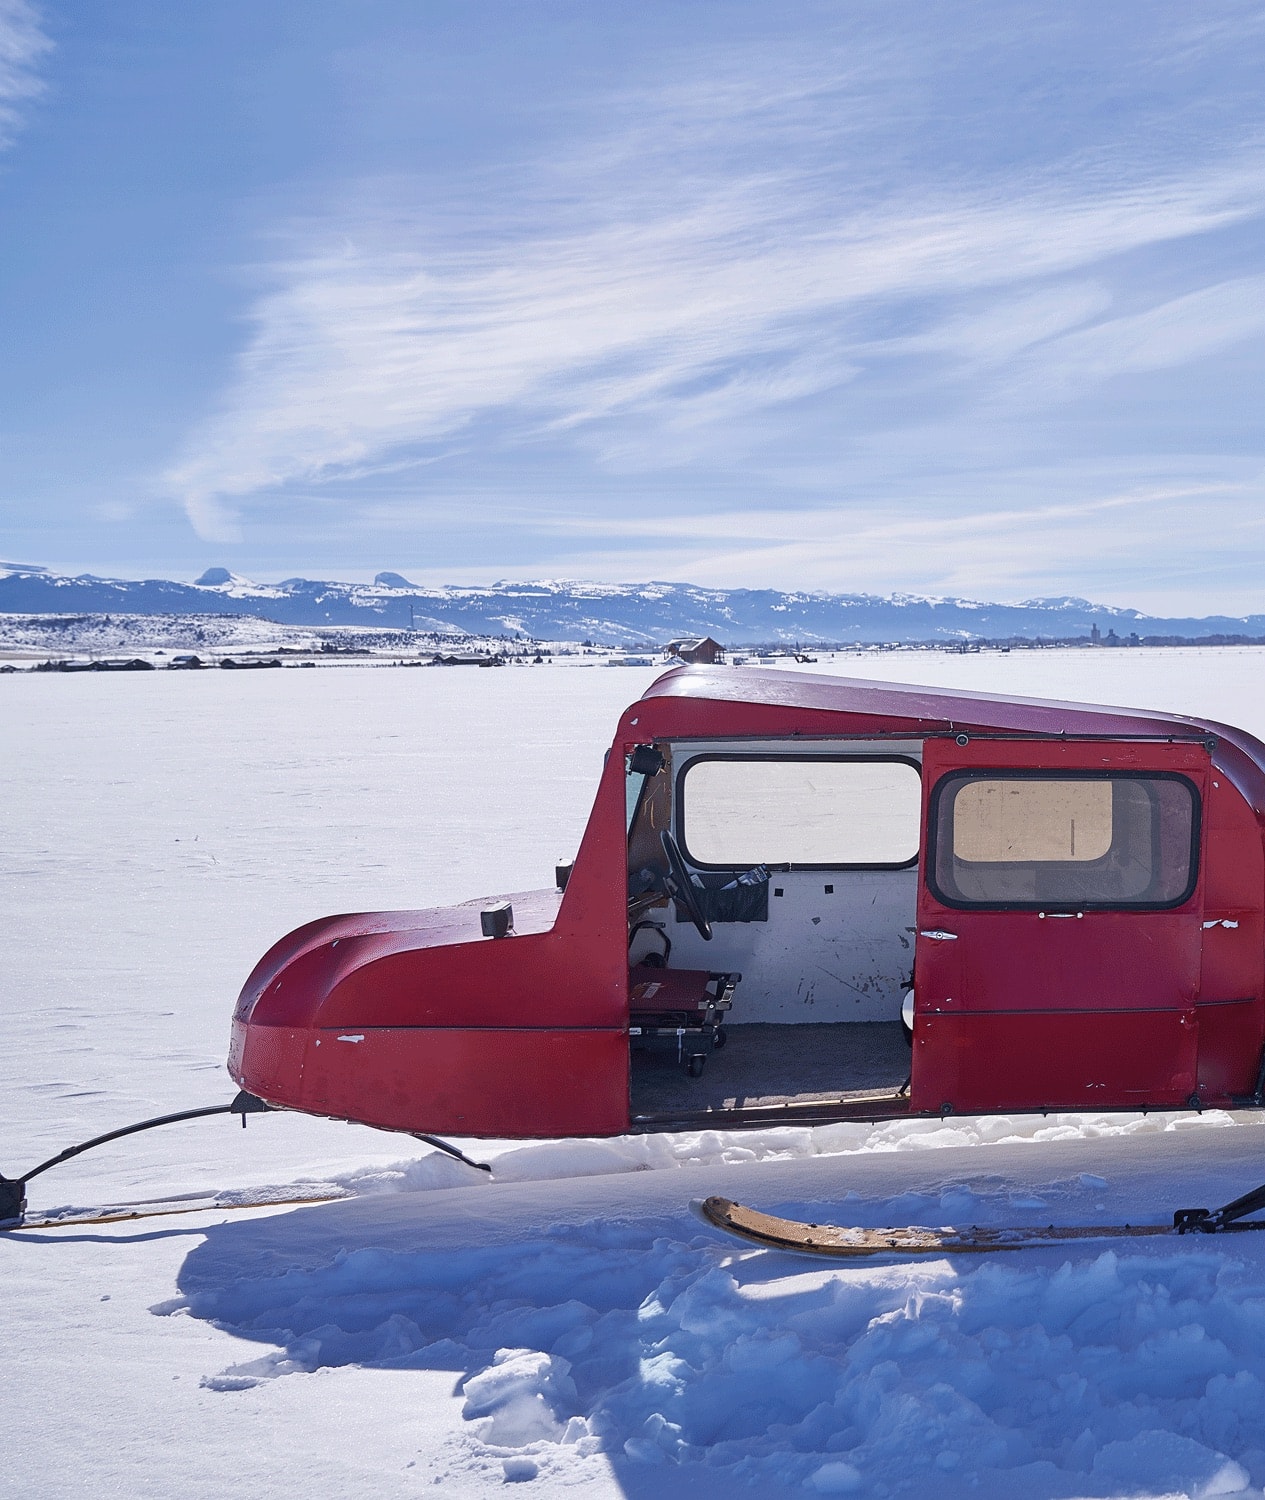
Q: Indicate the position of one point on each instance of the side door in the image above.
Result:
(1060, 905)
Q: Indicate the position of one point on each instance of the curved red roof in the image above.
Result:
(896, 707)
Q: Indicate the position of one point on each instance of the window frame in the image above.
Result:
(682, 822)
(962, 775)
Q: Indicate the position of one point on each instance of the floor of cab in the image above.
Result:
(763, 1065)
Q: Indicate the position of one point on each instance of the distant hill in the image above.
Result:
(604, 613)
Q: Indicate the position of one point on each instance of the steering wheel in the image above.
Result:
(680, 888)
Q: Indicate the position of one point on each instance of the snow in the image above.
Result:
(27, 638)
(571, 1324)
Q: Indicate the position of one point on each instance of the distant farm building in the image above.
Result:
(707, 651)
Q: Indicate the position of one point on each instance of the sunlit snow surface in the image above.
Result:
(569, 1325)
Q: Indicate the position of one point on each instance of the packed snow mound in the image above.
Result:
(545, 1161)
(642, 1345)
(637, 1338)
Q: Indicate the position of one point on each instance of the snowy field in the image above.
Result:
(27, 639)
(568, 1324)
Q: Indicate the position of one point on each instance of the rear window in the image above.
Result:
(1023, 839)
(825, 813)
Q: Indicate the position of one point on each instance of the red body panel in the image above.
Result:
(527, 1035)
(978, 1063)
(1072, 1009)
(524, 1035)
(1231, 1001)
(457, 1080)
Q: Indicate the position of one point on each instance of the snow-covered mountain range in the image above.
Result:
(605, 613)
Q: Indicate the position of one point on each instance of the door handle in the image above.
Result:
(937, 935)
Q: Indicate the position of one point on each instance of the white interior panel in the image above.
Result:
(819, 957)
(838, 945)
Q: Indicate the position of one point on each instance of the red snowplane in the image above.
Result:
(1065, 902)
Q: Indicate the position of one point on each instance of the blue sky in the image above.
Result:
(947, 298)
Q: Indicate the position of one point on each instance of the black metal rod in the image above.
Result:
(1249, 1203)
(114, 1135)
(451, 1150)
(13, 1189)
(1210, 1221)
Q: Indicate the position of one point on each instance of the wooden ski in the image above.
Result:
(856, 1242)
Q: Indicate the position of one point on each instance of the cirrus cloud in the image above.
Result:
(23, 43)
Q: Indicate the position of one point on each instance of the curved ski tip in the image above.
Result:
(716, 1211)
(702, 1210)
(773, 1233)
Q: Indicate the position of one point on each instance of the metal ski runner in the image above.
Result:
(122, 1213)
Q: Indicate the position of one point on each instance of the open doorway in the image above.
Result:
(777, 879)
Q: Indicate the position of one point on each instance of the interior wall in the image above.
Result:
(838, 945)
(839, 956)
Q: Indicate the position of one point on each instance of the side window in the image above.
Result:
(1022, 839)
(827, 813)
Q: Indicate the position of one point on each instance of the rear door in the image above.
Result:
(1059, 924)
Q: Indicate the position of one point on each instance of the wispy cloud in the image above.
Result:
(1136, 546)
(370, 348)
(1152, 540)
(732, 267)
(1175, 332)
(23, 44)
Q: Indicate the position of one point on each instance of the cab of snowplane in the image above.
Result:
(1066, 902)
